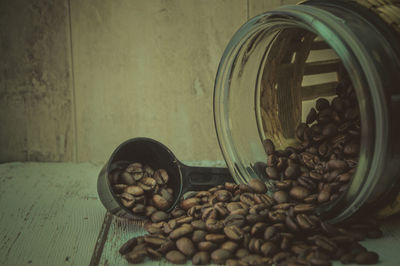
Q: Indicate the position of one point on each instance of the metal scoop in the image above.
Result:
(182, 178)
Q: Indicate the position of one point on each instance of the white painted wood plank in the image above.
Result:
(50, 213)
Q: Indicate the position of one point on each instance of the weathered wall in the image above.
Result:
(35, 84)
(129, 68)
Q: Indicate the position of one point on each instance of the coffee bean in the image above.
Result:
(366, 257)
(181, 231)
(215, 238)
(268, 249)
(272, 172)
(312, 115)
(231, 246)
(190, 202)
(321, 104)
(299, 192)
(213, 225)
(198, 236)
(258, 186)
(219, 256)
(206, 246)
(185, 245)
(161, 176)
(270, 233)
(136, 256)
(269, 146)
(159, 216)
(160, 202)
(138, 208)
(175, 257)
(281, 196)
(126, 178)
(233, 232)
(223, 195)
(234, 219)
(127, 200)
(201, 258)
(134, 190)
(156, 240)
(128, 246)
(292, 171)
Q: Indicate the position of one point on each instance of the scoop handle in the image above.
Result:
(203, 178)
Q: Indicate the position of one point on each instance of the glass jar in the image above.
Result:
(367, 48)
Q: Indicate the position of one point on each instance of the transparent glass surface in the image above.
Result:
(246, 113)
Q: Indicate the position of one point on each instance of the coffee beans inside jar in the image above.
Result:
(247, 225)
(143, 190)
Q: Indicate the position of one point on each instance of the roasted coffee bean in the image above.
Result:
(161, 176)
(231, 246)
(136, 256)
(219, 256)
(272, 172)
(213, 225)
(175, 257)
(312, 115)
(270, 233)
(198, 236)
(233, 232)
(134, 190)
(159, 216)
(177, 212)
(241, 252)
(154, 254)
(181, 231)
(149, 210)
(160, 202)
(223, 195)
(126, 178)
(155, 240)
(206, 246)
(127, 200)
(268, 249)
(321, 104)
(234, 219)
(138, 208)
(269, 146)
(215, 238)
(281, 196)
(258, 229)
(366, 257)
(303, 208)
(190, 202)
(299, 192)
(292, 171)
(258, 186)
(128, 246)
(201, 258)
(247, 198)
(166, 195)
(185, 245)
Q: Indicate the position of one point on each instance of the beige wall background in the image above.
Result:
(77, 78)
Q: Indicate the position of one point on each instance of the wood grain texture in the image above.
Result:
(50, 213)
(147, 68)
(36, 114)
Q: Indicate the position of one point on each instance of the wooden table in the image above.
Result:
(51, 215)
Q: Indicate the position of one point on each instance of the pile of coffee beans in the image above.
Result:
(247, 225)
(143, 190)
(321, 166)
(241, 225)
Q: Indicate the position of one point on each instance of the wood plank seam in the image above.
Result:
(101, 239)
